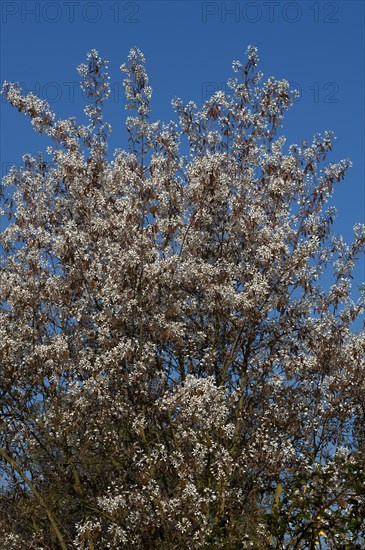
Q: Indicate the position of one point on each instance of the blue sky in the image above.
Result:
(189, 47)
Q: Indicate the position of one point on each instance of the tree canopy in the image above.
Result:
(175, 373)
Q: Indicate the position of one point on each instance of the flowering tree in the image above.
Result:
(174, 374)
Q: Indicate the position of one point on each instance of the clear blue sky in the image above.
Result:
(189, 47)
